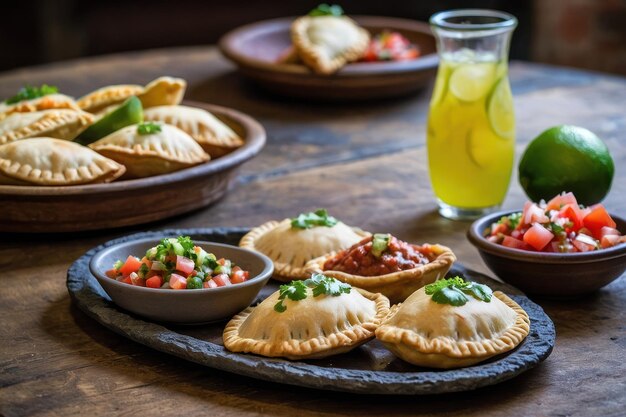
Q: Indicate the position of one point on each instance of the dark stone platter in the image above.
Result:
(368, 369)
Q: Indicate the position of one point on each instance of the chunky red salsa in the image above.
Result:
(396, 256)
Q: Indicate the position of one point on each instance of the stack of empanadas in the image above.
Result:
(128, 137)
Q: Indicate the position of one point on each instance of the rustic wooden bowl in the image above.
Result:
(558, 275)
(255, 48)
(34, 209)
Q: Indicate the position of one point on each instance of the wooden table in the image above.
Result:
(366, 163)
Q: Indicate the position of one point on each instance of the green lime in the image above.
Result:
(500, 110)
(567, 158)
(129, 113)
(471, 82)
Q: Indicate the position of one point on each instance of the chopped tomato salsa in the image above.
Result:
(177, 264)
(560, 225)
(367, 258)
(390, 46)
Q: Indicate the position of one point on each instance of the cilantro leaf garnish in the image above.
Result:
(454, 291)
(308, 220)
(380, 243)
(29, 92)
(320, 285)
(327, 10)
(148, 128)
(512, 220)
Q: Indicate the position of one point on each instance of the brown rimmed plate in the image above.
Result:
(256, 48)
(34, 209)
(369, 369)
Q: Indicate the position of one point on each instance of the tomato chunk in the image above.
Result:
(184, 265)
(511, 242)
(560, 201)
(154, 282)
(538, 236)
(597, 219)
(222, 280)
(574, 214)
(608, 241)
(238, 276)
(178, 282)
(132, 264)
(209, 284)
(111, 273)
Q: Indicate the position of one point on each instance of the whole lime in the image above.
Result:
(567, 158)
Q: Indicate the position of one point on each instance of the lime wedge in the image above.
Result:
(130, 112)
(471, 82)
(500, 110)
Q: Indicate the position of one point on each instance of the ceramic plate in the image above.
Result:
(256, 48)
(369, 369)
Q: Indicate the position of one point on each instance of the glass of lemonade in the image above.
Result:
(471, 124)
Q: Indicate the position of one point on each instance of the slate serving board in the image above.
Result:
(368, 369)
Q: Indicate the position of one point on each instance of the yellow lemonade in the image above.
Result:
(471, 131)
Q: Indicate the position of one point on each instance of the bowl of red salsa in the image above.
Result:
(556, 248)
(176, 280)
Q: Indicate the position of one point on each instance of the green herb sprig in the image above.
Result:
(311, 219)
(327, 10)
(148, 128)
(380, 243)
(454, 291)
(320, 285)
(29, 92)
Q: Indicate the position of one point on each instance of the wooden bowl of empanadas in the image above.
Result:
(80, 199)
(257, 48)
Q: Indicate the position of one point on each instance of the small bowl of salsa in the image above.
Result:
(556, 249)
(176, 280)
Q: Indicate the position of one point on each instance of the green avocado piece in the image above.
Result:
(129, 113)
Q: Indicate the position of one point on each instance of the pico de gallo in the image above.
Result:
(177, 263)
(390, 46)
(379, 254)
(561, 225)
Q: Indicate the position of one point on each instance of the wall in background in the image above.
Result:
(581, 33)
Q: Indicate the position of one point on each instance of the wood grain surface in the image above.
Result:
(366, 163)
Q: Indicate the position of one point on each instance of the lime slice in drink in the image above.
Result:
(441, 84)
(130, 112)
(500, 110)
(471, 82)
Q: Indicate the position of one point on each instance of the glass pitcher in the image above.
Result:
(471, 124)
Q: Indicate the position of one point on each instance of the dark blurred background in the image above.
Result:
(581, 33)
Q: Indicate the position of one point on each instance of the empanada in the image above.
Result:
(215, 137)
(47, 102)
(160, 92)
(313, 327)
(327, 43)
(167, 150)
(48, 161)
(426, 333)
(56, 123)
(291, 248)
(398, 271)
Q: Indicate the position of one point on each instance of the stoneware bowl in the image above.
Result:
(183, 306)
(549, 274)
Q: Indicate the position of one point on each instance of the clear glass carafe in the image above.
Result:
(471, 123)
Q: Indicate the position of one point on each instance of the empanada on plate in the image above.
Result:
(145, 155)
(397, 272)
(49, 161)
(291, 248)
(215, 137)
(327, 43)
(160, 92)
(47, 102)
(426, 333)
(315, 327)
(56, 123)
